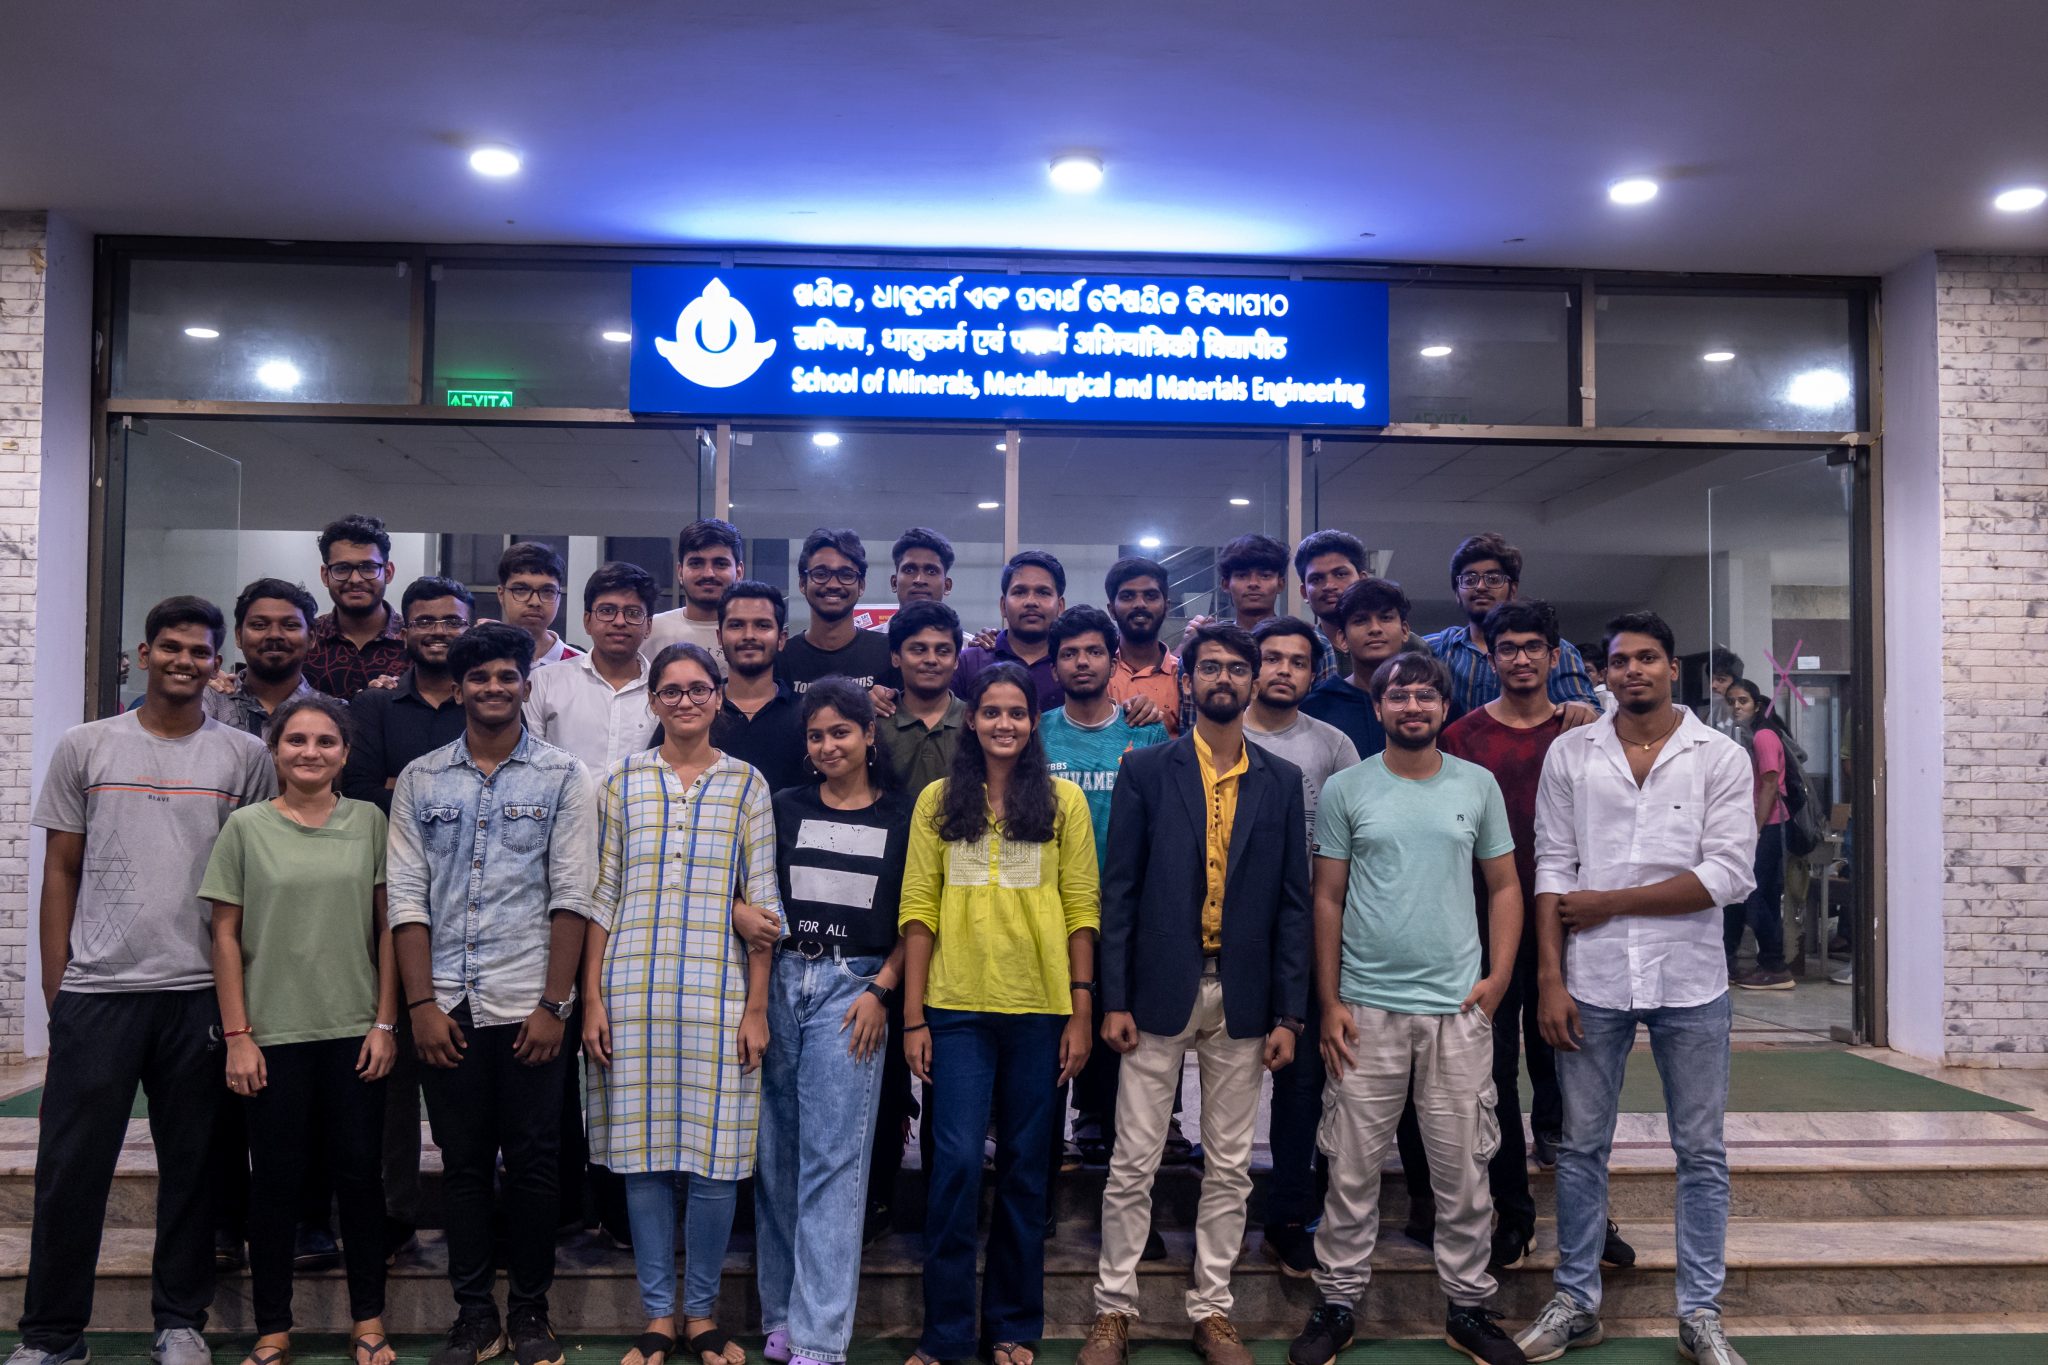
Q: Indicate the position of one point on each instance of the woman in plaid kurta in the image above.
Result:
(677, 1033)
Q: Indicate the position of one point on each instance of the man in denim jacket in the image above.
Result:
(492, 861)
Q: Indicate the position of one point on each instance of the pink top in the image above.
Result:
(1770, 758)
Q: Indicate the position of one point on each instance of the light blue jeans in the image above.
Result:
(1691, 1050)
(817, 1112)
(707, 1227)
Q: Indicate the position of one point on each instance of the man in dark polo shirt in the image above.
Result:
(757, 723)
(358, 640)
(923, 732)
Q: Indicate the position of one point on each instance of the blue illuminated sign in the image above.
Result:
(778, 341)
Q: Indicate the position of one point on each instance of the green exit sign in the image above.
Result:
(479, 398)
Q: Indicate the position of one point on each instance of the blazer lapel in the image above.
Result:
(1251, 789)
(1187, 780)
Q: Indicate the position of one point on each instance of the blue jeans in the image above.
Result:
(1691, 1050)
(707, 1227)
(983, 1063)
(817, 1106)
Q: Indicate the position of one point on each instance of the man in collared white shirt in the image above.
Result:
(1644, 827)
(595, 706)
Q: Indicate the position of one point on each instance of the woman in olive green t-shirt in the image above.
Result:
(308, 989)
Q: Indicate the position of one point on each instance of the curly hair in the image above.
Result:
(1030, 809)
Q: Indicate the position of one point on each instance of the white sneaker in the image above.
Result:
(1701, 1338)
(180, 1346)
(1562, 1325)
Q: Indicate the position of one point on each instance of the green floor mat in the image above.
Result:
(1795, 1082)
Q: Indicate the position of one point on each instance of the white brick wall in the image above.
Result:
(1992, 319)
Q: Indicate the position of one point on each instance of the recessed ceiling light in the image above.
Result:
(1240, 502)
(824, 440)
(1003, 446)
(494, 159)
(988, 506)
(277, 374)
(202, 333)
(1076, 174)
(1148, 542)
(1718, 357)
(2021, 198)
(616, 335)
(1818, 388)
(1636, 190)
(1434, 351)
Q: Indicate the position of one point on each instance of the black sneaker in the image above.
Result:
(400, 1240)
(1329, 1330)
(474, 1337)
(1510, 1245)
(1546, 1149)
(315, 1249)
(1155, 1246)
(1293, 1248)
(533, 1340)
(1475, 1332)
(1616, 1252)
(879, 1223)
(228, 1256)
(1423, 1234)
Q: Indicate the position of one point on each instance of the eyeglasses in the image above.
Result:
(673, 695)
(527, 592)
(1493, 579)
(1401, 696)
(430, 623)
(1535, 649)
(1216, 668)
(612, 611)
(845, 577)
(371, 569)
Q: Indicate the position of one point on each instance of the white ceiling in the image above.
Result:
(1796, 136)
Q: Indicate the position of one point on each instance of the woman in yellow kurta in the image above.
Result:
(1000, 906)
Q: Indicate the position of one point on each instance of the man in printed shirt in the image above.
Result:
(1485, 572)
(359, 640)
(1645, 827)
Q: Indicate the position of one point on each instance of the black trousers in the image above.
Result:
(313, 1100)
(401, 1138)
(894, 1109)
(487, 1103)
(1295, 1194)
(101, 1047)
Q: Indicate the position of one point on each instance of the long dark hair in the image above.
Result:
(1765, 716)
(1030, 810)
(851, 700)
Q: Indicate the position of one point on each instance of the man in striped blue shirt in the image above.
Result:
(1485, 572)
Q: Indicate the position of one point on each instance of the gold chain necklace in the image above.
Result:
(1646, 747)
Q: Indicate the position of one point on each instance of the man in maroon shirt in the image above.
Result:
(359, 640)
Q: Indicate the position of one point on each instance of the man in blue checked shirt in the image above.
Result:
(1485, 572)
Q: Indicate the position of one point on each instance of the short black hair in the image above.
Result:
(842, 540)
(530, 556)
(923, 616)
(1487, 545)
(1411, 668)
(1036, 559)
(1081, 620)
(1644, 623)
(1251, 552)
(278, 590)
(1129, 567)
(184, 610)
(922, 538)
(684, 649)
(1371, 596)
(1316, 544)
(703, 534)
(1523, 616)
(754, 587)
(1274, 626)
(1724, 662)
(486, 642)
(1229, 634)
(618, 576)
(430, 586)
(356, 529)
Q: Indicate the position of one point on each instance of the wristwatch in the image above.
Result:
(560, 1011)
(1292, 1025)
(878, 990)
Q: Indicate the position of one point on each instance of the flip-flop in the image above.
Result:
(652, 1344)
(268, 1355)
(710, 1341)
(366, 1347)
(922, 1357)
(1009, 1350)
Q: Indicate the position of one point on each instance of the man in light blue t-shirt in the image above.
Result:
(1398, 971)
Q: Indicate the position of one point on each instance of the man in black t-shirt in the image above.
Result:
(833, 567)
(757, 722)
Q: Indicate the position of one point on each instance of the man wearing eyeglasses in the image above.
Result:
(530, 578)
(833, 565)
(595, 706)
(1485, 572)
(359, 640)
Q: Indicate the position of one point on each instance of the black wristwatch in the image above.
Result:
(1292, 1025)
(1088, 986)
(878, 990)
(560, 1012)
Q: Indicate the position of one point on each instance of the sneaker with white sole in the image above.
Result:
(1562, 1325)
(1701, 1338)
(74, 1354)
(180, 1346)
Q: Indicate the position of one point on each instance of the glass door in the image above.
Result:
(1780, 621)
(181, 534)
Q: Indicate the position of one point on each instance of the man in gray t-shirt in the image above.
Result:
(1287, 661)
(132, 805)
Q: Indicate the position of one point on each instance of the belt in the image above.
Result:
(812, 949)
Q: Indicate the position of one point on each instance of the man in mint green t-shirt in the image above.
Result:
(1398, 972)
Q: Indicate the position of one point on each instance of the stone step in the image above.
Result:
(1803, 1269)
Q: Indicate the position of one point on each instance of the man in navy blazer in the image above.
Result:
(1206, 937)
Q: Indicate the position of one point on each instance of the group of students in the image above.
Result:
(762, 881)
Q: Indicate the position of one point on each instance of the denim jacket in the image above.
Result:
(485, 862)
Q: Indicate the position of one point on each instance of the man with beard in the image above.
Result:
(1485, 572)
(1289, 654)
(709, 559)
(1398, 968)
(833, 567)
(359, 640)
(530, 579)
(1645, 828)
(1144, 678)
(1034, 590)
(272, 618)
(1207, 880)
(758, 721)
(923, 566)
(1328, 563)
(1374, 615)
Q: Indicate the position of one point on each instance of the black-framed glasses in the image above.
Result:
(1401, 696)
(845, 576)
(1493, 578)
(527, 592)
(1215, 668)
(1534, 649)
(431, 623)
(612, 611)
(367, 569)
(675, 694)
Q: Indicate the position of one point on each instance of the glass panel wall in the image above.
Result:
(531, 337)
(1460, 354)
(184, 515)
(1768, 362)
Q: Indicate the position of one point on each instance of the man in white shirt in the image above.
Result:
(530, 578)
(710, 557)
(595, 706)
(1645, 825)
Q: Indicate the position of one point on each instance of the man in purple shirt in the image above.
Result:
(1034, 594)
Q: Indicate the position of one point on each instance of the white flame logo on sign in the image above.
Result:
(714, 343)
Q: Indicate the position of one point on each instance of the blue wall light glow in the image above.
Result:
(776, 341)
